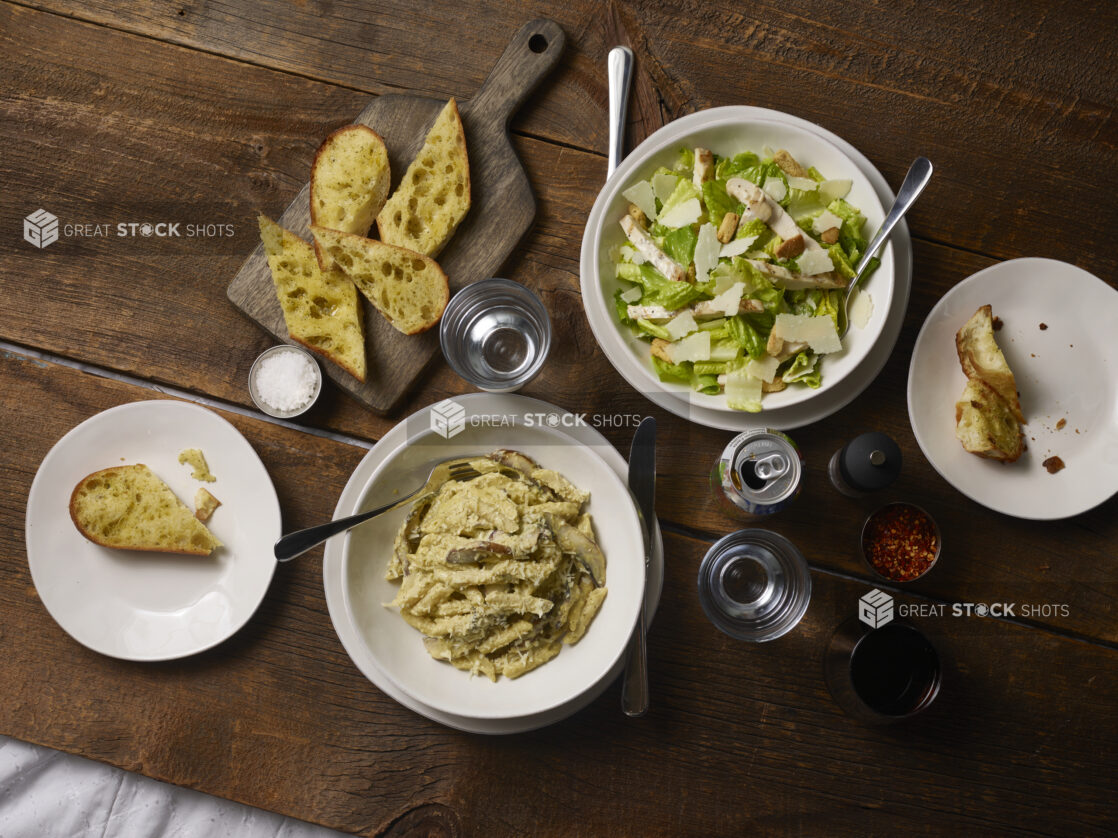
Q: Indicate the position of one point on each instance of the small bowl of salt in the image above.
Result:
(284, 381)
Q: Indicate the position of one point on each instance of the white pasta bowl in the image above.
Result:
(725, 131)
(383, 646)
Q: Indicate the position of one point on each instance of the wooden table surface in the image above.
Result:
(209, 110)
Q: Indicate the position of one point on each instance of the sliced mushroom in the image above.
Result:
(573, 542)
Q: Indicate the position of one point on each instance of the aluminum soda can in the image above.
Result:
(758, 473)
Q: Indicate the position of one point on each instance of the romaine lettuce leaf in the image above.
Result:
(729, 167)
(804, 369)
(661, 291)
(718, 202)
(747, 336)
(671, 372)
(680, 245)
(653, 330)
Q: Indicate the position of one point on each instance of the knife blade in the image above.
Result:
(642, 484)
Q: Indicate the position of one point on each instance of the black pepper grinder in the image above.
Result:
(868, 463)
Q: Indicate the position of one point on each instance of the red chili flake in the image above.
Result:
(900, 542)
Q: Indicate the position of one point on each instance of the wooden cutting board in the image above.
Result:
(502, 209)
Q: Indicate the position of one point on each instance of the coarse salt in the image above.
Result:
(286, 381)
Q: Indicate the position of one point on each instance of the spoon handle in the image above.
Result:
(620, 65)
(919, 173)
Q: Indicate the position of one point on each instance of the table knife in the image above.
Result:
(642, 483)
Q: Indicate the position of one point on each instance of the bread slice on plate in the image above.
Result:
(981, 358)
(985, 424)
(350, 177)
(320, 307)
(130, 508)
(434, 194)
(408, 288)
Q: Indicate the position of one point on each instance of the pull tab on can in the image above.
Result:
(758, 473)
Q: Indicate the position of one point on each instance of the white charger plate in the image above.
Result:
(1067, 371)
(728, 130)
(337, 580)
(153, 606)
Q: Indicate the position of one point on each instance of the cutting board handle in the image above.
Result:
(532, 54)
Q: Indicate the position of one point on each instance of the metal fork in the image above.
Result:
(297, 543)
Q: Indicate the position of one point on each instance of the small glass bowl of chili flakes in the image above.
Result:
(900, 542)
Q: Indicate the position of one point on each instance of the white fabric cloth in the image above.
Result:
(46, 793)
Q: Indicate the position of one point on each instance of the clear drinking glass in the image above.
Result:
(496, 334)
(754, 585)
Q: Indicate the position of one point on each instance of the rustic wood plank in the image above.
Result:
(501, 210)
(743, 737)
(109, 300)
(1029, 95)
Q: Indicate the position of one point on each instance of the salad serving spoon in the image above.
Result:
(919, 173)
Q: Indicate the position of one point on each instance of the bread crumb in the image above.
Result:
(194, 458)
(204, 505)
(1053, 464)
(1043, 326)
(1060, 425)
(997, 324)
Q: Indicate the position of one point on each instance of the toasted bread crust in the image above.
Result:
(431, 200)
(384, 291)
(75, 516)
(366, 199)
(981, 358)
(985, 425)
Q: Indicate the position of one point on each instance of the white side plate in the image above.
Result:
(1067, 371)
(153, 606)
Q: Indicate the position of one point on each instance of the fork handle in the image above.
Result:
(297, 543)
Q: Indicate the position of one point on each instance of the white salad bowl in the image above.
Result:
(725, 131)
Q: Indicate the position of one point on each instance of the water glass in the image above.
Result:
(496, 334)
(754, 585)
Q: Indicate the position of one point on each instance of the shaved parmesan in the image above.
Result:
(825, 221)
(804, 183)
(681, 216)
(817, 332)
(737, 247)
(642, 195)
(812, 262)
(833, 189)
(765, 369)
(729, 301)
(707, 249)
(695, 347)
(776, 188)
(861, 309)
(631, 254)
(633, 294)
(663, 185)
(680, 325)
